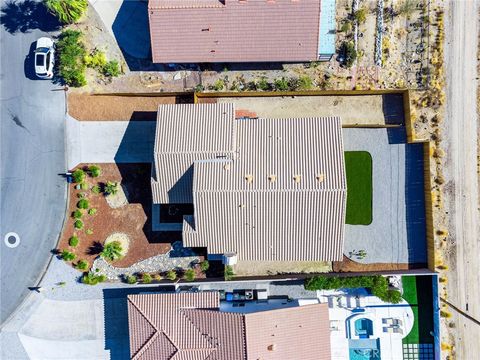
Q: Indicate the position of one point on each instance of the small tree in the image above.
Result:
(112, 251)
(78, 175)
(111, 188)
(73, 241)
(171, 275)
(78, 224)
(94, 170)
(83, 204)
(189, 275)
(349, 53)
(204, 265)
(71, 51)
(82, 265)
(67, 11)
(67, 255)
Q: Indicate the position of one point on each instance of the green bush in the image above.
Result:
(171, 275)
(111, 188)
(96, 189)
(84, 186)
(204, 265)
(93, 279)
(111, 69)
(376, 283)
(67, 255)
(131, 279)
(360, 15)
(77, 214)
(96, 59)
(218, 85)
(346, 27)
(78, 176)
(83, 204)
(349, 52)
(112, 251)
(81, 195)
(94, 170)
(146, 278)
(92, 211)
(71, 52)
(304, 83)
(67, 11)
(89, 231)
(228, 273)
(263, 84)
(73, 241)
(78, 224)
(82, 265)
(189, 275)
(281, 84)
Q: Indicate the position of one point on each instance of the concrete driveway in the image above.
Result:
(33, 195)
(109, 141)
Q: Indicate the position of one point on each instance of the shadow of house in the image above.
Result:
(117, 339)
(25, 16)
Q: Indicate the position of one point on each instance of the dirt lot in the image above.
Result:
(102, 107)
(361, 109)
(261, 268)
(348, 265)
(131, 219)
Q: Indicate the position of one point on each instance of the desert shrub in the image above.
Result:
(112, 251)
(77, 214)
(73, 241)
(146, 278)
(111, 188)
(131, 279)
(84, 186)
(111, 68)
(89, 231)
(66, 11)
(78, 224)
(350, 55)
(67, 255)
(218, 85)
(445, 314)
(360, 15)
(304, 82)
(228, 273)
(263, 84)
(281, 84)
(71, 52)
(82, 265)
(96, 189)
(94, 170)
(78, 176)
(96, 59)
(346, 27)
(92, 278)
(204, 265)
(81, 195)
(171, 275)
(189, 275)
(83, 204)
(92, 211)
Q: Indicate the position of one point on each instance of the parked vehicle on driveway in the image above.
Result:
(44, 58)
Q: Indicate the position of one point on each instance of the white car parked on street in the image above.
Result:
(44, 58)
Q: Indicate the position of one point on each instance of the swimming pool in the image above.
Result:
(365, 354)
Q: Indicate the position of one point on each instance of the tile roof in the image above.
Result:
(282, 186)
(189, 326)
(192, 31)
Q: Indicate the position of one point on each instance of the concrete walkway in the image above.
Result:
(397, 233)
(109, 141)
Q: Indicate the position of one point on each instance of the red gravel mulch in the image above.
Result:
(132, 219)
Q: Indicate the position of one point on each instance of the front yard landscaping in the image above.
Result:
(358, 167)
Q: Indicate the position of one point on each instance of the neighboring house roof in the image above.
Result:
(192, 31)
(189, 326)
(279, 194)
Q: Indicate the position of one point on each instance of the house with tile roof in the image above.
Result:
(203, 31)
(190, 326)
(261, 189)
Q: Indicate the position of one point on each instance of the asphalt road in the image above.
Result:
(33, 195)
(462, 129)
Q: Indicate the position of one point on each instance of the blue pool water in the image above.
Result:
(365, 354)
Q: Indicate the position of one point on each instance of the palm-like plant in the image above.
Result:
(112, 251)
(67, 11)
(111, 188)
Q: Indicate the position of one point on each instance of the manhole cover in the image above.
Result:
(12, 240)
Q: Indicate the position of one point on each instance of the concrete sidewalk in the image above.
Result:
(109, 141)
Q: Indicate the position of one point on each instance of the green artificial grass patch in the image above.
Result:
(358, 167)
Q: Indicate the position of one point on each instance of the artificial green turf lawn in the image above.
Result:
(358, 166)
(422, 307)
